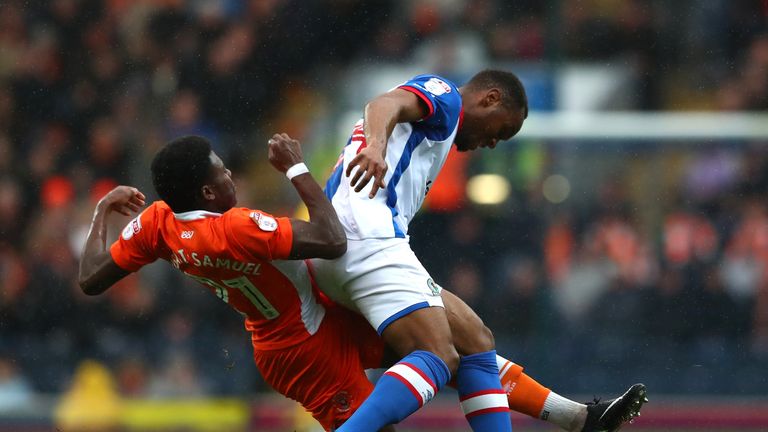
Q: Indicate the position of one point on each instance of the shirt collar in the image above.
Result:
(194, 215)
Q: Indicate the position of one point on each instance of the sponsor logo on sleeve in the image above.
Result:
(132, 228)
(437, 86)
(264, 222)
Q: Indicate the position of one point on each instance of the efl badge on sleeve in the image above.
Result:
(265, 223)
(437, 86)
(132, 228)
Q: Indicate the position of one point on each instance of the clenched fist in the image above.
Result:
(284, 152)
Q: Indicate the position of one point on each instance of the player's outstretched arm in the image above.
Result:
(98, 270)
(381, 116)
(323, 236)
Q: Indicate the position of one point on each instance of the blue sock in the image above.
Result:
(404, 388)
(482, 399)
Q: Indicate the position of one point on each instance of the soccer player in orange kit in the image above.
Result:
(250, 260)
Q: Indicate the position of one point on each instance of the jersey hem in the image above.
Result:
(383, 326)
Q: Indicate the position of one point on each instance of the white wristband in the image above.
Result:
(298, 169)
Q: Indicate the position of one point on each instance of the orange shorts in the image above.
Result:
(326, 373)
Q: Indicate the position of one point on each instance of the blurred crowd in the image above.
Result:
(593, 293)
(89, 90)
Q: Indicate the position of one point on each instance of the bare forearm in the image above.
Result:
(381, 116)
(95, 252)
(320, 209)
(383, 113)
(97, 269)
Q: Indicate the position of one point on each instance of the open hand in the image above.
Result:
(371, 165)
(124, 200)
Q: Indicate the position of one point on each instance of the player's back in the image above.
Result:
(236, 255)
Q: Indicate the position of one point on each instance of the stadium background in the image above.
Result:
(602, 250)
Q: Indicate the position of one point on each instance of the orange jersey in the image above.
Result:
(236, 255)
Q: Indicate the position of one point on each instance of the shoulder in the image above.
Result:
(258, 233)
(444, 102)
(434, 84)
(433, 87)
(145, 221)
(156, 210)
(246, 218)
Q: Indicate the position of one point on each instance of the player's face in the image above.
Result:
(222, 185)
(491, 125)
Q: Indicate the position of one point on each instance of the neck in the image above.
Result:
(205, 205)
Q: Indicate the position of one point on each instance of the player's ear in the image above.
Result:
(208, 193)
(492, 97)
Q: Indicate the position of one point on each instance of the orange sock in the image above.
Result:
(524, 394)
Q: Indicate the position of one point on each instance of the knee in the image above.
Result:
(479, 339)
(451, 358)
(485, 339)
(481, 342)
(445, 351)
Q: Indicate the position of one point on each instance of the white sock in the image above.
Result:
(563, 412)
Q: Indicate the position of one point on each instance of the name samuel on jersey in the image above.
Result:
(206, 261)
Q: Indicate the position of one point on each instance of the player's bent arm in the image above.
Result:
(102, 275)
(98, 271)
(385, 111)
(323, 236)
(381, 115)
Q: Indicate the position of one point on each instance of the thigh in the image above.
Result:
(470, 335)
(325, 373)
(389, 282)
(424, 329)
(370, 346)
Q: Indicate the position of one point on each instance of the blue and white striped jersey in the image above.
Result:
(415, 154)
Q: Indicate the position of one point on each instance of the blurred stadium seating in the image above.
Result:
(622, 237)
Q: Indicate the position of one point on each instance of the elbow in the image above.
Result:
(337, 248)
(89, 287)
(336, 241)
(341, 247)
(334, 247)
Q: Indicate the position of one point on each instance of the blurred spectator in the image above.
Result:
(107, 155)
(177, 378)
(746, 253)
(464, 281)
(11, 211)
(725, 320)
(132, 376)
(669, 312)
(15, 390)
(185, 118)
(559, 247)
(746, 268)
(710, 174)
(521, 303)
(689, 237)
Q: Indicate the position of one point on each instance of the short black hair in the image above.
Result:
(513, 92)
(179, 171)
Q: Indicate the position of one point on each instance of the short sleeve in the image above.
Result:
(443, 100)
(259, 234)
(135, 247)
